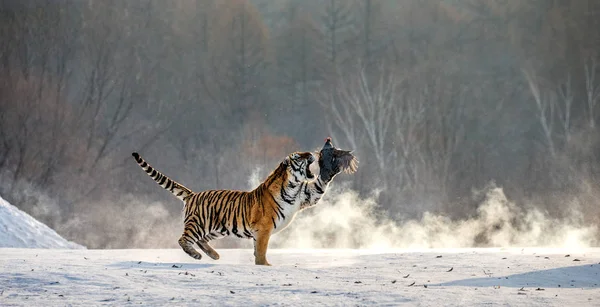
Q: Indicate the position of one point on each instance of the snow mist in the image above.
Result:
(342, 219)
(345, 220)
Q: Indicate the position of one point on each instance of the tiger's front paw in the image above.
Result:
(265, 264)
(258, 261)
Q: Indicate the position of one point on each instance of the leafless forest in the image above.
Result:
(438, 98)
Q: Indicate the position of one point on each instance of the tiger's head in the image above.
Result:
(298, 166)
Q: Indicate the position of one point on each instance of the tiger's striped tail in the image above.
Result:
(167, 183)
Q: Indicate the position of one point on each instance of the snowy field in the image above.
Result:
(432, 277)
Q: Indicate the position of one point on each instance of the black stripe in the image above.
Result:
(282, 215)
(306, 192)
(285, 196)
(274, 225)
(234, 228)
(213, 207)
(208, 212)
(195, 199)
(238, 212)
(243, 216)
(227, 198)
(295, 196)
(217, 212)
(189, 239)
(193, 231)
(199, 230)
(318, 187)
(200, 205)
(210, 196)
(279, 211)
(295, 166)
(220, 203)
(215, 196)
(242, 210)
(279, 207)
(272, 199)
(209, 218)
(228, 212)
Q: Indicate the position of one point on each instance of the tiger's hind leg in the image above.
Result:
(207, 249)
(187, 244)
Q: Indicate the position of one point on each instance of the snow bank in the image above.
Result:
(19, 229)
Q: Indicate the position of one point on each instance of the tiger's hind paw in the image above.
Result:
(207, 249)
(189, 249)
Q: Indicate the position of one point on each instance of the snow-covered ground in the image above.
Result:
(38, 267)
(19, 229)
(431, 277)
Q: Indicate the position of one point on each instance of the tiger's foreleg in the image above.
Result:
(207, 249)
(261, 243)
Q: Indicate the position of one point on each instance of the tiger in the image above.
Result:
(256, 214)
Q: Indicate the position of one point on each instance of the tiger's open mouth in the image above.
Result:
(309, 174)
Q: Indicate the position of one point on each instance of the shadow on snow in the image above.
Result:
(582, 276)
(160, 265)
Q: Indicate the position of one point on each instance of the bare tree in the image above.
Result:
(592, 88)
(336, 22)
(371, 30)
(35, 113)
(545, 102)
(300, 65)
(235, 74)
(369, 100)
(565, 105)
(444, 130)
(408, 122)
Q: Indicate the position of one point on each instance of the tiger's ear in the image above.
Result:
(287, 161)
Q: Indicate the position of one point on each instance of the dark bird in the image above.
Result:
(334, 160)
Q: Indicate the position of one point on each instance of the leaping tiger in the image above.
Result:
(255, 214)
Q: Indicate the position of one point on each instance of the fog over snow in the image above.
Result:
(19, 229)
(343, 219)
